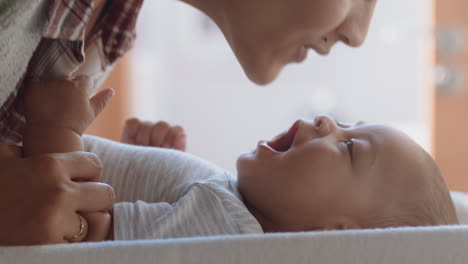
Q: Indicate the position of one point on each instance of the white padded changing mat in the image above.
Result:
(388, 246)
(425, 245)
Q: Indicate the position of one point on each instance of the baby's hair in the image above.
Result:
(433, 208)
(438, 208)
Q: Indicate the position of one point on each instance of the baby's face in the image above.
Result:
(324, 175)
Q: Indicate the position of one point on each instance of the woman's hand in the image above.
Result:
(42, 198)
(160, 134)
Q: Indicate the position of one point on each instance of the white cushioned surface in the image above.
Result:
(425, 245)
(403, 245)
(461, 205)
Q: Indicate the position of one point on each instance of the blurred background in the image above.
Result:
(409, 74)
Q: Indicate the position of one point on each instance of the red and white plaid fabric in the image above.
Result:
(64, 51)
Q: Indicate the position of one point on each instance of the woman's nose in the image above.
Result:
(353, 31)
(348, 33)
(352, 34)
(325, 125)
(348, 38)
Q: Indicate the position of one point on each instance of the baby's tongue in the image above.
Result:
(284, 142)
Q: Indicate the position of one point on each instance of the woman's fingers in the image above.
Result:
(91, 199)
(89, 227)
(77, 166)
(94, 196)
(99, 226)
(77, 230)
(56, 186)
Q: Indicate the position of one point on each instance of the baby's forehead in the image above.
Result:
(375, 128)
(383, 135)
(396, 153)
(387, 143)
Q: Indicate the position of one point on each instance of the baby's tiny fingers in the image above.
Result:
(177, 130)
(171, 136)
(179, 138)
(159, 133)
(144, 134)
(130, 131)
(168, 138)
(180, 142)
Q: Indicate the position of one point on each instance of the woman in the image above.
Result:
(58, 198)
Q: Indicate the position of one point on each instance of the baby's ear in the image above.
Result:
(347, 226)
(341, 225)
(100, 101)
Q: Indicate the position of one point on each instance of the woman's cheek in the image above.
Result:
(328, 15)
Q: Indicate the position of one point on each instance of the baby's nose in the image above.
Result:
(325, 125)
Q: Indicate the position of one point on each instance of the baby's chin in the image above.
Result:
(242, 163)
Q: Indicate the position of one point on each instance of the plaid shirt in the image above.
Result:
(64, 51)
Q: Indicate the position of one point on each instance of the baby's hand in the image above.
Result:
(151, 134)
(64, 103)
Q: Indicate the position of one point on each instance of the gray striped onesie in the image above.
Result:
(168, 194)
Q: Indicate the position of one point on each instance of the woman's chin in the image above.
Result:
(264, 74)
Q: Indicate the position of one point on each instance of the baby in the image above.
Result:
(319, 175)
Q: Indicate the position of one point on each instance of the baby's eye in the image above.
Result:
(343, 125)
(350, 145)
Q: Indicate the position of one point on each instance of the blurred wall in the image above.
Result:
(451, 99)
(184, 72)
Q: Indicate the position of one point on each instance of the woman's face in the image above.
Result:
(268, 34)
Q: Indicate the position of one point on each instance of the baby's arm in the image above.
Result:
(57, 114)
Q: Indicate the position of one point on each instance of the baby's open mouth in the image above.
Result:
(284, 142)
